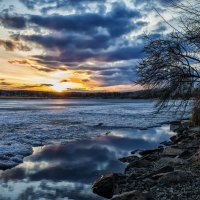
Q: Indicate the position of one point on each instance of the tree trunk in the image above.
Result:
(196, 114)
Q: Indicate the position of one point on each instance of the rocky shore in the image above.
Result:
(170, 172)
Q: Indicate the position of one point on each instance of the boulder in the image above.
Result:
(171, 152)
(105, 185)
(173, 162)
(133, 195)
(179, 126)
(175, 177)
(160, 171)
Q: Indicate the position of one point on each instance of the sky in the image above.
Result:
(76, 45)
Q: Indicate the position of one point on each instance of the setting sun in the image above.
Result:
(61, 87)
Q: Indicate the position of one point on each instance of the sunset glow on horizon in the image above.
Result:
(65, 46)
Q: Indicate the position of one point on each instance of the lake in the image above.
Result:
(57, 148)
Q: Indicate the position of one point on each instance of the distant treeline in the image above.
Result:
(142, 94)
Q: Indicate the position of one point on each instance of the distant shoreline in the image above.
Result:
(38, 98)
(25, 94)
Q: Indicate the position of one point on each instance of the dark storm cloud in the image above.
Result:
(98, 41)
(89, 35)
(98, 31)
(75, 55)
(116, 76)
(10, 45)
(124, 53)
(14, 22)
(31, 4)
(116, 23)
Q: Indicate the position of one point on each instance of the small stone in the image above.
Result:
(149, 152)
(140, 164)
(133, 195)
(129, 159)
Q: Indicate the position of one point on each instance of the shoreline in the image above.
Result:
(90, 98)
(170, 171)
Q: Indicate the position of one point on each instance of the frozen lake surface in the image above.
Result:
(73, 142)
(30, 123)
(67, 171)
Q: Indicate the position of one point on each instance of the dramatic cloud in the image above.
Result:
(10, 45)
(116, 76)
(14, 22)
(35, 64)
(104, 39)
(52, 4)
(35, 86)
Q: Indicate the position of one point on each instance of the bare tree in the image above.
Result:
(172, 63)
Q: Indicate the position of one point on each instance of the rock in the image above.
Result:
(175, 177)
(195, 129)
(164, 170)
(177, 138)
(167, 143)
(140, 164)
(186, 124)
(186, 154)
(179, 126)
(187, 143)
(152, 157)
(175, 125)
(129, 159)
(133, 195)
(149, 152)
(105, 185)
(171, 152)
(173, 138)
(171, 172)
(195, 159)
(162, 162)
(160, 171)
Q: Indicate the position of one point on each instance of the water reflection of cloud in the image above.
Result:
(67, 170)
